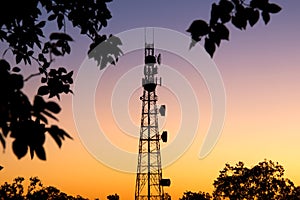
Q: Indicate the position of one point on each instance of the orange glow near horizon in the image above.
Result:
(261, 80)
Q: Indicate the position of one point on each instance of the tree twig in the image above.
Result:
(32, 75)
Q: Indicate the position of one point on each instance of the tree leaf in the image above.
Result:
(18, 58)
(60, 36)
(226, 5)
(19, 148)
(53, 107)
(40, 152)
(38, 103)
(70, 74)
(215, 38)
(225, 9)
(62, 70)
(67, 48)
(209, 46)
(49, 115)
(56, 52)
(41, 57)
(60, 21)
(31, 152)
(239, 21)
(222, 31)
(266, 16)
(198, 28)
(260, 4)
(43, 90)
(253, 17)
(61, 132)
(273, 8)
(16, 69)
(52, 17)
(42, 118)
(115, 40)
(55, 136)
(64, 133)
(43, 80)
(58, 134)
(225, 18)
(5, 129)
(214, 14)
(2, 140)
(41, 24)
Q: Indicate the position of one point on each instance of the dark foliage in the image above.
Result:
(113, 197)
(22, 31)
(195, 196)
(238, 12)
(35, 191)
(23, 121)
(263, 181)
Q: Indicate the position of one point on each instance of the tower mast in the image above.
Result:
(149, 181)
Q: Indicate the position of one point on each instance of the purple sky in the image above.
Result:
(261, 74)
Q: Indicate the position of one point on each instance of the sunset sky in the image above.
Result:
(260, 74)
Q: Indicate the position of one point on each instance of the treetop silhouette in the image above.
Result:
(263, 181)
(35, 191)
(188, 195)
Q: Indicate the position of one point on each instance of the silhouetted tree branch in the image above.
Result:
(237, 12)
(22, 30)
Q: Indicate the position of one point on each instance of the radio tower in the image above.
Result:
(149, 181)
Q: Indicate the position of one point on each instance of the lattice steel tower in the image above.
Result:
(149, 181)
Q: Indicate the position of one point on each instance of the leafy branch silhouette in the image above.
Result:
(238, 12)
(22, 30)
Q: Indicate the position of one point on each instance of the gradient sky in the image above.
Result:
(261, 75)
